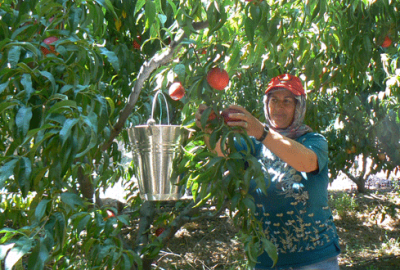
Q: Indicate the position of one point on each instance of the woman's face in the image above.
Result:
(281, 108)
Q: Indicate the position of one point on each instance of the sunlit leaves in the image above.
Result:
(57, 109)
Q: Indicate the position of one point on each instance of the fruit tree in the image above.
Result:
(74, 75)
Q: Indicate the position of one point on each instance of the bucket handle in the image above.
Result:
(151, 121)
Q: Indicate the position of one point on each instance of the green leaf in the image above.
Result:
(22, 119)
(213, 162)
(180, 70)
(91, 121)
(92, 143)
(65, 132)
(23, 175)
(234, 60)
(65, 104)
(111, 104)
(150, 11)
(26, 82)
(139, 5)
(108, 5)
(124, 219)
(27, 45)
(249, 28)
(111, 57)
(83, 223)
(173, 6)
(66, 88)
(88, 244)
(3, 86)
(6, 171)
(194, 190)
(38, 256)
(32, 133)
(49, 76)
(14, 55)
(255, 14)
(204, 116)
(61, 229)
(34, 148)
(41, 209)
(249, 203)
(271, 250)
(316, 10)
(214, 139)
(5, 105)
(71, 199)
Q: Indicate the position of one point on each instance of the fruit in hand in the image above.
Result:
(218, 78)
(49, 41)
(176, 91)
(225, 114)
(387, 42)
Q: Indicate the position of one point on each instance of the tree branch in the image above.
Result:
(144, 73)
(146, 218)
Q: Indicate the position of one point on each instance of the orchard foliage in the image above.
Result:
(63, 108)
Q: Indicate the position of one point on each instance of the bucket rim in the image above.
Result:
(163, 125)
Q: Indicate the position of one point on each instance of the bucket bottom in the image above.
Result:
(160, 197)
(166, 197)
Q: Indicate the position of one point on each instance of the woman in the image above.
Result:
(295, 212)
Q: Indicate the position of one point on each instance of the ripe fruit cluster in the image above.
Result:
(217, 78)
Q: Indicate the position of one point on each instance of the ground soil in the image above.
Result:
(368, 230)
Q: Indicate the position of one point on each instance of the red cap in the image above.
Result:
(287, 81)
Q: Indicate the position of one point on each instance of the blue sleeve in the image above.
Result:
(319, 145)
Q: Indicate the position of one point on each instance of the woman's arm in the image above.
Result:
(295, 154)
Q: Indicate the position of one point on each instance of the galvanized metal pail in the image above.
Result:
(155, 148)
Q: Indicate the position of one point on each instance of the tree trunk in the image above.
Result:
(85, 185)
(360, 182)
(362, 178)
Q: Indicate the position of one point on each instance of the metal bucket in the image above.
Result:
(155, 148)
